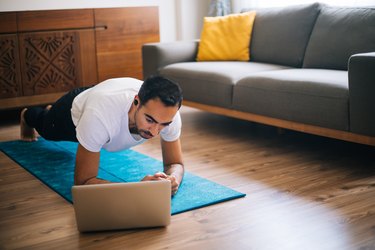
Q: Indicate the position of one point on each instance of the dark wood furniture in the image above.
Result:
(43, 54)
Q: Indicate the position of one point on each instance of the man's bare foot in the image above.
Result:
(48, 107)
(27, 133)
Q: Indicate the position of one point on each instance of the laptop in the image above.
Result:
(115, 206)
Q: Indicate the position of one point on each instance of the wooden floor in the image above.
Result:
(303, 192)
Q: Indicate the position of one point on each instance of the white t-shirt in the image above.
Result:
(100, 115)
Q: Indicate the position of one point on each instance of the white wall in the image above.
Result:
(178, 19)
(167, 16)
(190, 15)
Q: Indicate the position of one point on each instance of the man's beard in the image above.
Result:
(141, 132)
(145, 134)
(134, 130)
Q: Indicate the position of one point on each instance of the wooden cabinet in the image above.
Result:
(43, 54)
(10, 73)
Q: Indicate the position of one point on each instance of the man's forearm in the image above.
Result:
(175, 169)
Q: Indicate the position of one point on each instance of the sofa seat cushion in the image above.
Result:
(311, 96)
(212, 82)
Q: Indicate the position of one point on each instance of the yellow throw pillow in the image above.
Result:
(226, 38)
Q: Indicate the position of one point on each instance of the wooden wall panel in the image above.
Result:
(55, 19)
(119, 45)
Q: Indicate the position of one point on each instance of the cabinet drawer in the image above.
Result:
(55, 19)
(8, 22)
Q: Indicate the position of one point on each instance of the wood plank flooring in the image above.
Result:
(303, 192)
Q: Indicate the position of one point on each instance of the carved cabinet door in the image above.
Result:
(10, 80)
(50, 61)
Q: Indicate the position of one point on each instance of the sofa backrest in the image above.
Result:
(339, 33)
(280, 35)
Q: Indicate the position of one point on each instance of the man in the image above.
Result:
(115, 115)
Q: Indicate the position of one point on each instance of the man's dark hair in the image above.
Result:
(167, 91)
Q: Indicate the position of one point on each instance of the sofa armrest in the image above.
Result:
(158, 55)
(362, 93)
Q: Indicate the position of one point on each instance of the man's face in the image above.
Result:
(151, 117)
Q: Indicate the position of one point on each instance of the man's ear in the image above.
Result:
(136, 100)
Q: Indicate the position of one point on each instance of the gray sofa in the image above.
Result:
(312, 69)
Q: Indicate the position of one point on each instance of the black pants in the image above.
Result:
(55, 124)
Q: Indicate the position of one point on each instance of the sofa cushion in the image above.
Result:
(226, 38)
(311, 96)
(280, 35)
(338, 34)
(212, 82)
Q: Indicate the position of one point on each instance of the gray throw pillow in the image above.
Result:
(339, 33)
(280, 35)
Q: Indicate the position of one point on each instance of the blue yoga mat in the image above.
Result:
(53, 163)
